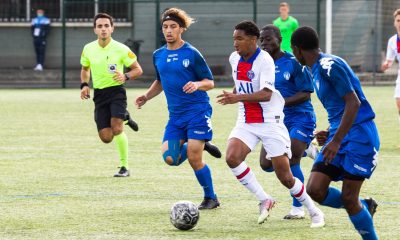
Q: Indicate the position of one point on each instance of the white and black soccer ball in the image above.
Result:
(184, 215)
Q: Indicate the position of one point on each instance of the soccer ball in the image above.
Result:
(184, 215)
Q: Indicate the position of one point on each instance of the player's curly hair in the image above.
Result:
(249, 28)
(272, 28)
(186, 20)
(305, 38)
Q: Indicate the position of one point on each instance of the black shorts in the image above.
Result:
(109, 102)
(335, 173)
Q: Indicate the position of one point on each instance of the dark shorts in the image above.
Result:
(109, 102)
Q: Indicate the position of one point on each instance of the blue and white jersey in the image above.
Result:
(174, 69)
(291, 78)
(333, 79)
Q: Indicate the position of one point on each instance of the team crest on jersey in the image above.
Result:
(186, 63)
(286, 75)
(250, 74)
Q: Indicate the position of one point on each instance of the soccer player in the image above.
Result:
(183, 75)
(294, 83)
(351, 142)
(286, 24)
(260, 118)
(105, 59)
(393, 51)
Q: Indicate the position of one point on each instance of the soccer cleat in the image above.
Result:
(123, 172)
(295, 213)
(129, 121)
(265, 207)
(312, 150)
(317, 219)
(209, 203)
(38, 67)
(372, 205)
(212, 150)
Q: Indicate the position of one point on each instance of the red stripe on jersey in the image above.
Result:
(398, 44)
(240, 176)
(253, 112)
(301, 192)
(242, 69)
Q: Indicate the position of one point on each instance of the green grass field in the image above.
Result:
(56, 176)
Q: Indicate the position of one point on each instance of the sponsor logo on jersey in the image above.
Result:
(326, 63)
(131, 55)
(186, 63)
(112, 68)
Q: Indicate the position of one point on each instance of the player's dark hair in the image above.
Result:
(272, 28)
(305, 38)
(249, 28)
(103, 15)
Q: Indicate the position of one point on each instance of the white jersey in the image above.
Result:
(251, 76)
(393, 52)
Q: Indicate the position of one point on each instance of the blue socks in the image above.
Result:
(204, 177)
(296, 171)
(333, 198)
(362, 222)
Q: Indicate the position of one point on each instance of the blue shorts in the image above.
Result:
(195, 126)
(301, 126)
(358, 152)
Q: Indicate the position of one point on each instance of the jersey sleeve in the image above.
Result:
(155, 67)
(200, 67)
(302, 78)
(391, 50)
(267, 74)
(338, 77)
(295, 24)
(128, 57)
(84, 59)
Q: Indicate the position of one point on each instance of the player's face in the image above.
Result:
(244, 44)
(299, 56)
(103, 28)
(397, 23)
(270, 42)
(172, 31)
(284, 12)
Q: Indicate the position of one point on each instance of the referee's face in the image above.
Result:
(103, 28)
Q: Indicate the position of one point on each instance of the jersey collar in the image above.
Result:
(252, 58)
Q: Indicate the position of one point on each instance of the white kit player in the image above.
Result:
(260, 119)
(392, 52)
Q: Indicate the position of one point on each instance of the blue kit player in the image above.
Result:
(295, 85)
(351, 143)
(183, 75)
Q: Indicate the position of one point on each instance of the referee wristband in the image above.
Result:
(127, 77)
(84, 84)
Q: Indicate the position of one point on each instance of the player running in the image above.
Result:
(184, 76)
(351, 143)
(260, 118)
(295, 84)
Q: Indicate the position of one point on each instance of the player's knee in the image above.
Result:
(106, 139)
(171, 157)
(232, 160)
(315, 193)
(266, 166)
(116, 130)
(350, 202)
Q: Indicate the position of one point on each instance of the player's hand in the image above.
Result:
(190, 87)
(321, 137)
(385, 66)
(85, 93)
(227, 98)
(140, 101)
(119, 77)
(330, 150)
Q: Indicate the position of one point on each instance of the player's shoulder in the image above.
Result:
(327, 62)
(160, 50)
(264, 56)
(393, 39)
(91, 45)
(119, 45)
(234, 57)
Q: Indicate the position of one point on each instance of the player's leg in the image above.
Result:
(397, 96)
(398, 104)
(174, 151)
(265, 164)
(198, 131)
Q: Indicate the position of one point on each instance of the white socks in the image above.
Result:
(299, 192)
(247, 178)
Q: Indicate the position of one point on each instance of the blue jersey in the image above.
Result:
(333, 79)
(291, 78)
(174, 69)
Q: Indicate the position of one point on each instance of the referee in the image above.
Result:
(105, 59)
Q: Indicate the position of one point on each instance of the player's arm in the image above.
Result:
(135, 72)
(298, 98)
(202, 85)
(263, 95)
(155, 89)
(390, 55)
(85, 78)
(386, 65)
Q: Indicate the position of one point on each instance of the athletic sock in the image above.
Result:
(296, 171)
(204, 178)
(363, 223)
(122, 144)
(333, 198)
(301, 195)
(247, 178)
